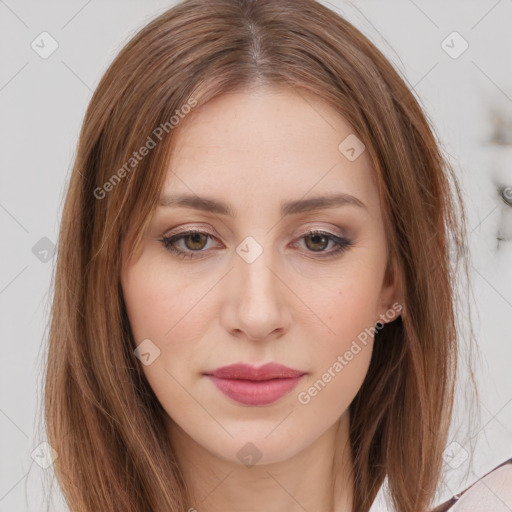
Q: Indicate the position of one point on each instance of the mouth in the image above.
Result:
(253, 386)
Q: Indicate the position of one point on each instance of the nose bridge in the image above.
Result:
(256, 296)
(253, 266)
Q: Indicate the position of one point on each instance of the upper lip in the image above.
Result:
(247, 372)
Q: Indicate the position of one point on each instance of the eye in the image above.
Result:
(195, 242)
(317, 241)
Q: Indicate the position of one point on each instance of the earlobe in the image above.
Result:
(390, 314)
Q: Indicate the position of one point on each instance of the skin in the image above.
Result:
(292, 305)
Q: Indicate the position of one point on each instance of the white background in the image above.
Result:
(42, 104)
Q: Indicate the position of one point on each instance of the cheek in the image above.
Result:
(164, 314)
(170, 309)
(157, 303)
(350, 312)
(342, 363)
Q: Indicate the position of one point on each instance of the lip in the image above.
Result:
(251, 385)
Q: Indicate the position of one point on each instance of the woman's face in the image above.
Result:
(254, 286)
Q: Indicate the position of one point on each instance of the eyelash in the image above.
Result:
(343, 244)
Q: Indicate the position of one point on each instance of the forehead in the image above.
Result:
(267, 143)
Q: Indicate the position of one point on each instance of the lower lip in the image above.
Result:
(250, 392)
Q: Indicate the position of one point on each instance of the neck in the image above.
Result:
(317, 477)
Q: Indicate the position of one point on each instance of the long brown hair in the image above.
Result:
(101, 415)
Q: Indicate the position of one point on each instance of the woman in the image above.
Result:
(254, 303)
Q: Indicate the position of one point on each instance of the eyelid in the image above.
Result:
(304, 230)
(329, 228)
(188, 227)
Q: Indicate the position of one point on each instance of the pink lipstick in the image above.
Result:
(249, 385)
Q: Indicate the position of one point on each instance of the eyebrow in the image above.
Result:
(287, 208)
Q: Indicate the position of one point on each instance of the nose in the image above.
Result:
(256, 300)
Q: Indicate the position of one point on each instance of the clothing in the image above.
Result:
(449, 504)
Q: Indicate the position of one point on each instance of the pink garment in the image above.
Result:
(452, 501)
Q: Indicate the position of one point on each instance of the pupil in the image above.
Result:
(316, 239)
(195, 240)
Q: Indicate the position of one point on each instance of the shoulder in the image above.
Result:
(491, 492)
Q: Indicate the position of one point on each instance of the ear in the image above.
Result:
(391, 296)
